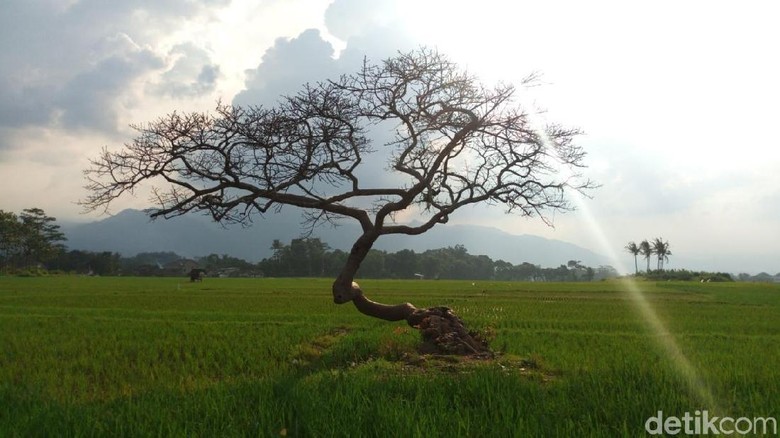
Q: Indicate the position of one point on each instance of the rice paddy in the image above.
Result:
(82, 356)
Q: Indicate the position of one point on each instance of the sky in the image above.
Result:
(677, 100)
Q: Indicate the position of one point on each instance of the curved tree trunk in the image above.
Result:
(442, 331)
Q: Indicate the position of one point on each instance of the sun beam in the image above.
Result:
(663, 339)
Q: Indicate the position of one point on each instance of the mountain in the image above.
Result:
(131, 231)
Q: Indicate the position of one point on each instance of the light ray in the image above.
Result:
(665, 341)
(663, 338)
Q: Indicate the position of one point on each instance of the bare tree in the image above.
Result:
(456, 143)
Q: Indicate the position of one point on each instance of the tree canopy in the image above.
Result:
(30, 238)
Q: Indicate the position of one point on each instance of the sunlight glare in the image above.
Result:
(663, 338)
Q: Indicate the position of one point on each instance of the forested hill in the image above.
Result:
(130, 232)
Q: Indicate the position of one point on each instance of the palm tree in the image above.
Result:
(646, 250)
(633, 249)
(661, 249)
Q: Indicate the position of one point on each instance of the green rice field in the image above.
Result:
(84, 356)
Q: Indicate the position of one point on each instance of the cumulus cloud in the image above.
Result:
(82, 59)
(192, 73)
(372, 30)
(347, 19)
(90, 98)
(286, 66)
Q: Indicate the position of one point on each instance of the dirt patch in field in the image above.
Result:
(398, 352)
(460, 364)
(307, 353)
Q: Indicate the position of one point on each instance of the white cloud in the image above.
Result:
(91, 99)
(192, 73)
(71, 62)
(286, 66)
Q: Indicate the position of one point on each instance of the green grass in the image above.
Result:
(259, 357)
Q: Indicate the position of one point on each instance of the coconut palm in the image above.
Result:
(646, 250)
(661, 249)
(633, 249)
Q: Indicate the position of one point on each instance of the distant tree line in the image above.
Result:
(32, 241)
(686, 275)
(170, 264)
(761, 277)
(310, 257)
(29, 240)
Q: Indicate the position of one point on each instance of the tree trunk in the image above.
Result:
(387, 312)
(442, 331)
(343, 288)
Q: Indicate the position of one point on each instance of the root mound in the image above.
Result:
(444, 333)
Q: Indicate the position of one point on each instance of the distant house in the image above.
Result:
(180, 267)
(228, 272)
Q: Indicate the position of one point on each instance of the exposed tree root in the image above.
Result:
(444, 333)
